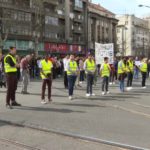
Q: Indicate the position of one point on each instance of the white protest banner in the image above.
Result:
(104, 50)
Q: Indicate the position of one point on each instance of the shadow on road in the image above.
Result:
(48, 109)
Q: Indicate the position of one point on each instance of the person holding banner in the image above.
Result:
(105, 74)
(122, 73)
(90, 68)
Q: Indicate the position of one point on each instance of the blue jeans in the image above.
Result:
(71, 83)
(136, 73)
(122, 85)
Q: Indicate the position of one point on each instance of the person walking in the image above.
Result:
(143, 68)
(24, 70)
(10, 66)
(46, 75)
(90, 68)
(121, 73)
(65, 62)
(130, 71)
(105, 74)
(72, 71)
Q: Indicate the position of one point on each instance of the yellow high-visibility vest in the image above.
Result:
(7, 67)
(121, 69)
(90, 65)
(130, 67)
(46, 68)
(105, 70)
(144, 67)
(73, 67)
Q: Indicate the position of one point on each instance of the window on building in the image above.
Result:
(79, 3)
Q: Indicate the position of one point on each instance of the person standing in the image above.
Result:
(10, 66)
(143, 68)
(24, 69)
(72, 71)
(81, 65)
(65, 62)
(105, 74)
(130, 71)
(46, 75)
(90, 68)
(121, 73)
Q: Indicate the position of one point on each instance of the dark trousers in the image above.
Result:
(65, 79)
(47, 82)
(90, 79)
(130, 79)
(144, 79)
(112, 76)
(105, 83)
(11, 80)
(71, 84)
(82, 75)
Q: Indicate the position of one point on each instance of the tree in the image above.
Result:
(38, 7)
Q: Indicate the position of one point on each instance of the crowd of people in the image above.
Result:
(74, 70)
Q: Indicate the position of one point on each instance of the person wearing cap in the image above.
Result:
(105, 74)
(90, 68)
(24, 69)
(46, 75)
(130, 71)
(72, 71)
(122, 73)
(143, 68)
(10, 66)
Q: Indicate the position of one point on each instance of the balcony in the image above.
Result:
(15, 7)
(78, 9)
(77, 31)
(53, 2)
(78, 20)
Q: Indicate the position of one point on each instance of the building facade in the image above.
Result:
(133, 36)
(55, 26)
(101, 26)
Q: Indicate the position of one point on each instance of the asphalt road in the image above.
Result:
(122, 118)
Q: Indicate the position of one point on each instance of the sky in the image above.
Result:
(120, 7)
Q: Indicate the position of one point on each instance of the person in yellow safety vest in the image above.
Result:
(10, 67)
(143, 68)
(46, 75)
(72, 71)
(122, 73)
(130, 70)
(90, 68)
(105, 74)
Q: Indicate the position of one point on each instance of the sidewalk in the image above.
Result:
(118, 117)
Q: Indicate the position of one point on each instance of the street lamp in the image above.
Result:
(143, 6)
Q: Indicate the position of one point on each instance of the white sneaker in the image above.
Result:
(70, 97)
(108, 92)
(144, 87)
(88, 95)
(103, 93)
(43, 102)
(110, 83)
(93, 94)
(128, 88)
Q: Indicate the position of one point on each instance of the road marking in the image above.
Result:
(130, 110)
(76, 136)
(138, 104)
